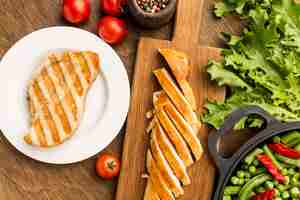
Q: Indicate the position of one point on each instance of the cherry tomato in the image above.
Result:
(111, 7)
(107, 166)
(76, 11)
(112, 30)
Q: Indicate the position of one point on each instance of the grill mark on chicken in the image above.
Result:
(78, 70)
(39, 132)
(54, 99)
(36, 115)
(48, 117)
(63, 89)
(71, 69)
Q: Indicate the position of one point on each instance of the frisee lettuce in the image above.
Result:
(262, 66)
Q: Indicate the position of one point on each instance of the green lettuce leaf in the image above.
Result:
(262, 66)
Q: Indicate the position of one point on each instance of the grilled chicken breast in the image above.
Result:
(56, 96)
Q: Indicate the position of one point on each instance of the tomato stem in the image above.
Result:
(111, 165)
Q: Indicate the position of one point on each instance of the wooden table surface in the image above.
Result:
(23, 178)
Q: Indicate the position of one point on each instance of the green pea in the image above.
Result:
(240, 174)
(280, 187)
(235, 180)
(252, 169)
(269, 184)
(284, 171)
(285, 195)
(291, 171)
(256, 162)
(295, 192)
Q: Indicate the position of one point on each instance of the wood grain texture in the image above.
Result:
(131, 184)
(25, 179)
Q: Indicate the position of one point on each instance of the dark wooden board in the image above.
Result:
(131, 184)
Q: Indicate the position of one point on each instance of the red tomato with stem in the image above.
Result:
(107, 166)
(112, 30)
(76, 11)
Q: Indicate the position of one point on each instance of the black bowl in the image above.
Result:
(226, 166)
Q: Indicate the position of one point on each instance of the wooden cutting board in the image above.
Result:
(131, 185)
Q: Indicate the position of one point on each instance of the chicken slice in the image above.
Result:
(150, 193)
(164, 167)
(171, 156)
(183, 127)
(157, 180)
(169, 128)
(179, 64)
(180, 102)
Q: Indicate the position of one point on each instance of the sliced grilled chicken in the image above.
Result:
(157, 180)
(150, 193)
(56, 96)
(169, 128)
(171, 155)
(183, 127)
(163, 165)
(176, 96)
(174, 126)
(179, 64)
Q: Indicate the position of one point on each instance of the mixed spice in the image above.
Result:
(269, 172)
(152, 6)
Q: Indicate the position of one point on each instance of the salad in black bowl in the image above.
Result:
(270, 171)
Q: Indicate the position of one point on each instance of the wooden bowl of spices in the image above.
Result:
(152, 13)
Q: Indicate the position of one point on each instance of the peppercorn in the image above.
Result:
(152, 6)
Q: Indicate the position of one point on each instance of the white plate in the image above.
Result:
(106, 105)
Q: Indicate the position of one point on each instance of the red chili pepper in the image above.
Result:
(267, 195)
(274, 171)
(284, 150)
